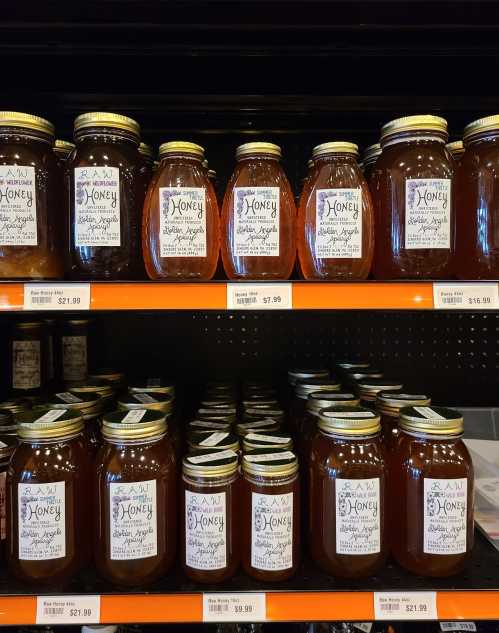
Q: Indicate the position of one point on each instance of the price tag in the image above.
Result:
(410, 605)
(56, 296)
(234, 607)
(67, 609)
(259, 296)
(466, 296)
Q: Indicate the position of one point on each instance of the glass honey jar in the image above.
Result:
(27, 355)
(456, 150)
(8, 443)
(371, 155)
(389, 404)
(368, 388)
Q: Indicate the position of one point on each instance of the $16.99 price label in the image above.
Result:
(68, 610)
(466, 296)
(408, 605)
(259, 296)
(56, 296)
(234, 607)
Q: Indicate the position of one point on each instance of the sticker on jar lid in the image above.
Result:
(256, 221)
(212, 457)
(145, 398)
(406, 396)
(208, 425)
(3, 445)
(257, 425)
(270, 457)
(217, 410)
(214, 439)
(68, 397)
(269, 439)
(133, 417)
(18, 225)
(429, 413)
(51, 416)
(350, 414)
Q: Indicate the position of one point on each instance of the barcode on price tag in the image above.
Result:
(68, 610)
(410, 605)
(234, 607)
(259, 296)
(466, 296)
(446, 627)
(56, 296)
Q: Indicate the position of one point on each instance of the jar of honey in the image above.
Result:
(31, 238)
(136, 489)
(348, 493)
(303, 388)
(146, 162)
(104, 192)
(389, 404)
(210, 516)
(74, 349)
(47, 498)
(477, 202)
(368, 388)
(270, 513)
(431, 493)
(258, 216)
(27, 354)
(456, 150)
(181, 225)
(371, 155)
(7, 445)
(335, 217)
(152, 386)
(413, 200)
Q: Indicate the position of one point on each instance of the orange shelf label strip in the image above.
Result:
(126, 609)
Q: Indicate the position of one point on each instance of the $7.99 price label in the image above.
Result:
(407, 605)
(259, 296)
(56, 296)
(234, 607)
(68, 610)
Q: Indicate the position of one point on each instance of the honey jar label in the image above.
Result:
(42, 521)
(445, 515)
(26, 365)
(427, 212)
(18, 221)
(338, 224)
(182, 221)
(97, 206)
(256, 222)
(358, 512)
(133, 520)
(74, 357)
(205, 530)
(272, 531)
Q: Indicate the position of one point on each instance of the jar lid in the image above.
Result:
(309, 385)
(353, 364)
(152, 385)
(49, 424)
(8, 444)
(372, 386)
(91, 384)
(26, 121)
(109, 375)
(336, 147)
(391, 402)
(415, 123)
(294, 375)
(133, 417)
(263, 411)
(456, 148)
(63, 147)
(16, 405)
(181, 147)
(133, 425)
(82, 401)
(217, 408)
(361, 374)
(212, 174)
(431, 420)
(208, 425)
(146, 150)
(205, 164)
(269, 149)
(351, 421)
(310, 163)
(28, 325)
(156, 402)
(212, 440)
(214, 401)
(267, 424)
(211, 464)
(486, 124)
(372, 152)
(270, 462)
(265, 439)
(6, 418)
(323, 399)
(106, 120)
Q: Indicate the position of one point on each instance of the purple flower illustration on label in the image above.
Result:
(427, 213)
(338, 224)
(256, 221)
(18, 218)
(272, 531)
(182, 226)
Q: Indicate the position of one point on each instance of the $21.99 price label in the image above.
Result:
(408, 605)
(234, 607)
(56, 296)
(68, 610)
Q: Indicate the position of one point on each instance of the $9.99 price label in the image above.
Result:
(234, 607)
(259, 296)
(68, 610)
(408, 605)
(56, 296)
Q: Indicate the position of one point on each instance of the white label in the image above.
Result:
(466, 296)
(132, 417)
(269, 457)
(145, 398)
(268, 439)
(411, 605)
(256, 425)
(256, 222)
(67, 609)
(182, 222)
(134, 523)
(205, 530)
(272, 531)
(3, 516)
(26, 365)
(353, 414)
(358, 530)
(18, 206)
(212, 457)
(208, 425)
(338, 224)
(259, 296)
(458, 626)
(68, 397)
(56, 296)
(427, 213)
(213, 439)
(234, 607)
(97, 206)
(429, 413)
(445, 515)
(51, 416)
(42, 521)
(74, 357)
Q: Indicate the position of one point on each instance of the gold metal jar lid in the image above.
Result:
(48, 424)
(154, 402)
(106, 120)
(264, 439)
(304, 387)
(211, 464)
(8, 444)
(181, 147)
(351, 365)
(63, 148)
(336, 147)
(350, 421)
(456, 148)
(372, 152)
(16, 405)
(81, 402)
(208, 425)
(415, 123)
(146, 150)
(26, 121)
(212, 440)
(270, 462)
(133, 425)
(258, 147)
(486, 124)
(28, 325)
(262, 412)
(215, 401)
(212, 174)
(152, 385)
(318, 400)
(109, 375)
(294, 375)
(310, 163)
(431, 420)
(102, 387)
(361, 374)
(391, 402)
(369, 387)
(257, 425)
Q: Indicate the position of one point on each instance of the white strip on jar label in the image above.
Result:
(51, 416)
(429, 413)
(269, 457)
(257, 425)
(26, 365)
(358, 527)
(268, 439)
(133, 516)
(256, 222)
(145, 398)
(205, 530)
(427, 212)
(182, 221)
(42, 521)
(212, 457)
(338, 224)
(213, 439)
(132, 417)
(445, 515)
(3, 507)
(18, 221)
(272, 531)
(67, 396)
(74, 357)
(351, 414)
(97, 206)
